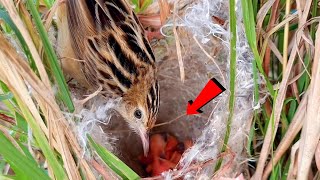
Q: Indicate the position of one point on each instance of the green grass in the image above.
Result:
(52, 57)
(232, 75)
(113, 162)
(140, 7)
(12, 27)
(23, 166)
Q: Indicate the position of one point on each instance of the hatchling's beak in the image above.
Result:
(144, 139)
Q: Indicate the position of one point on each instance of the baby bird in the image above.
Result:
(103, 45)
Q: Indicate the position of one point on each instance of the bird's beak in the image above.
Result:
(145, 140)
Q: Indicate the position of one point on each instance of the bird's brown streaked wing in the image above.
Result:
(107, 35)
(153, 103)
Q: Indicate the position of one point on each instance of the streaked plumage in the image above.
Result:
(113, 52)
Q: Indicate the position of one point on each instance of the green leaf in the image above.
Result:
(250, 26)
(42, 141)
(21, 122)
(4, 15)
(48, 3)
(250, 139)
(136, 3)
(23, 166)
(113, 162)
(3, 177)
(145, 4)
(232, 75)
(292, 109)
(52, 58)
(276, 173)
(9, 103)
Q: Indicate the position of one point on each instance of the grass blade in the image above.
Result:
(43, 142)
(23, 166)
(250, 26)
(4, 15)
(145, 4)
(7, 177)
(26, 107)
(136, 4)
(113, 162)
(48, 3)
(52, 58)
(233, 65)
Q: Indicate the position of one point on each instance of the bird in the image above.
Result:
(105, 45)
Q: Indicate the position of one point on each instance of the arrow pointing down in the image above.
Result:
(212, 89)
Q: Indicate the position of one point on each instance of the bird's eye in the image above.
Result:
(138, 114)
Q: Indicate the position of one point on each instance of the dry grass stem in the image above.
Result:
(292, 172)
(169, 122)
(90, 96)
(311, 125)
(286, 37)
(273, 30)
(177, 40)
(210, 57)
(10, 7)
(263, 11)
(272, 46)
(292, 131)
(280, 99)
(14, 68)
(267, 57)
(49, 16)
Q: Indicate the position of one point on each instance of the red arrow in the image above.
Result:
(212, 89)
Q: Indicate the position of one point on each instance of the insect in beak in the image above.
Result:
(145, 140)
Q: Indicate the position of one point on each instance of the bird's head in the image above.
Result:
(139, 107)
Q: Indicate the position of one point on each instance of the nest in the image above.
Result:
(205, 54)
